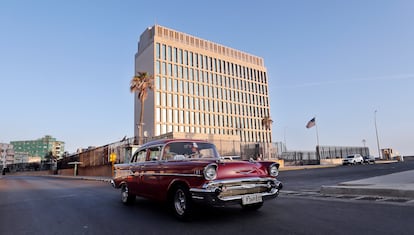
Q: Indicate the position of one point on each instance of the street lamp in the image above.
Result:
(376, 132)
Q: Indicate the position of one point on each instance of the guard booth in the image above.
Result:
(387, 153)
(391, 154)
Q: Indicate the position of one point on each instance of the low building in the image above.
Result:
(40, 147)
(6, 154)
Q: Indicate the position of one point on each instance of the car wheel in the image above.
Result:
(181, 202)
(126, 197)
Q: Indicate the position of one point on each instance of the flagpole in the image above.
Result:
(317, 134)
(310, 124)
(318, 155)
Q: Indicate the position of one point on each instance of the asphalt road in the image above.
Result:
(313, 179)
(44, 205)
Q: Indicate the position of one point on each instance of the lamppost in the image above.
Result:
(376, 132)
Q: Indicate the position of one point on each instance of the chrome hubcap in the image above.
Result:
(124, 194)
(180, 202)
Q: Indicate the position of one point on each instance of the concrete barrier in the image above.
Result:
(331, 161)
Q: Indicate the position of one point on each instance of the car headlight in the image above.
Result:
(273, 170)
(210, 172)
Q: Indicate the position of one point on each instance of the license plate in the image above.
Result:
(251, 199)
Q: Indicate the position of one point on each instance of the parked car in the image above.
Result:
(183, 172)
(353, 159)
(369, 159)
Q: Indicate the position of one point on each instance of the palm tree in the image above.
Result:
(267, 122)
(141, 84)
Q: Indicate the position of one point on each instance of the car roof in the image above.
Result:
(166, 141)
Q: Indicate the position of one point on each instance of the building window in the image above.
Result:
(157, 98)
(175, 116)
(186, 102)
(185, 91)
(187, 117)
(163, 116)
(175, 103)
(181, 103)
(157, 83)
(163, 83)
(190, 75)
(164, 53)
(164, 68)
(175, 71)
(157, 50)
(175, 55)
(180, 71)
(157, 115)
(169, 100)
(170, 117)
(201, 90)
(170, 70)
(190, 58)
(191, 88)
(175, 86)
(157, 67)
(180, 57)
(169, 53)
(163, 99)
(185, 61)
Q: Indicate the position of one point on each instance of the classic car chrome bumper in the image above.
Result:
(234, 191)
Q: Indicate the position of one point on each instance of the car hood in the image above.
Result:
(239, 169)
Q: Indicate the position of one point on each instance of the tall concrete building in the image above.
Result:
(202, 90)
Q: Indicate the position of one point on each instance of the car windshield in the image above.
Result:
(350, 156)
(189, 150)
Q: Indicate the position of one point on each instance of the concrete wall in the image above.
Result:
(334, 161)
(105, 171)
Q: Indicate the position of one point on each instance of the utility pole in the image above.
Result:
(376, 132)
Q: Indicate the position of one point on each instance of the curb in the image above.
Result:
(367, 191)
(79, 177)
(305, 167)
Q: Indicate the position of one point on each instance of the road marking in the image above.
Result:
(353, 198)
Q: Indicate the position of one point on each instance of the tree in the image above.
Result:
(49, 156)
(267, 122)
(141, 84)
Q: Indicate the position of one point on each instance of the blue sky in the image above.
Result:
(66, 66)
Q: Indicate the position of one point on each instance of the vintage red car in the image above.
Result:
(183, 172)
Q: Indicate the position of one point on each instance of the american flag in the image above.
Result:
(311, 123)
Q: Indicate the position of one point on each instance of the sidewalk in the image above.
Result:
(400, 185)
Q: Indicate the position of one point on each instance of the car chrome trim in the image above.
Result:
(237, 197)
(212, 186)
(170, 174)
(241, 180)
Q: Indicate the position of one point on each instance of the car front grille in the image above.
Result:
(227, 191)
(237, 188)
